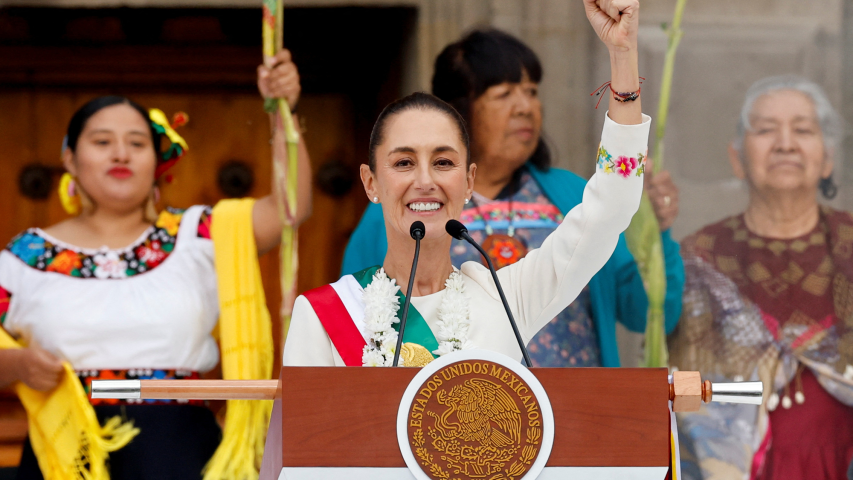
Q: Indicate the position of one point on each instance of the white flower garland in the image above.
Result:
(453, 317)
(380, 315)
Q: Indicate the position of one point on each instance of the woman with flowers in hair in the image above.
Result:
(120, 291)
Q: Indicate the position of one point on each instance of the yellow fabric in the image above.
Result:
(245, 340)
(64, 430)
(70, 204)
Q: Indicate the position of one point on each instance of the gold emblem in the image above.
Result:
(415, 355)
(475, 420)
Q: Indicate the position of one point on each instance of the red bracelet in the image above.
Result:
(618, 96)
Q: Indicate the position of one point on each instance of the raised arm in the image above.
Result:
(550, 278)
(281, 80)
(616, 22)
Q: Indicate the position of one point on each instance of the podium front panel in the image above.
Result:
(346, 417)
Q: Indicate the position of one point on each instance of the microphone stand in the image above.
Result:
(463, 234)
(417, 232)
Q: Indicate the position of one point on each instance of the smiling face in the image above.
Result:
(420, 172)
(784, 148)
(506, 121)
(114, 160)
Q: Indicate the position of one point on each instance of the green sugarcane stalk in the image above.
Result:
(273, 42)
(643, 235)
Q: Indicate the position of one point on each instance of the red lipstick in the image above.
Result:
(120, 172)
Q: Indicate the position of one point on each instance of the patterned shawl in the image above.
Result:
(737, 325)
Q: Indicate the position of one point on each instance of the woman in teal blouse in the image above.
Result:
(519, 199)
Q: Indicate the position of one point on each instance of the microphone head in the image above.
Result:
(417, 230)
(455, 229)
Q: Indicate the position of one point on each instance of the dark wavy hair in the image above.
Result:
(415, 101)
(84, 113)
(464, 70)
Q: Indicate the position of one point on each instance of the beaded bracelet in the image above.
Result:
(622, 97)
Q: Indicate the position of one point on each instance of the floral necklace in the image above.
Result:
(380, 314)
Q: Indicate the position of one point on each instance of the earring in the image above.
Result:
(375, 199)
(466, 201)
(68, 194)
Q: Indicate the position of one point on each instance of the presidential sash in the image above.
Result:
(340, 308)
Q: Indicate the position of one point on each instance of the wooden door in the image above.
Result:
(202, 62)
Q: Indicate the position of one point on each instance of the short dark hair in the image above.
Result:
(415, 101)
(464, 70)
(84, 113)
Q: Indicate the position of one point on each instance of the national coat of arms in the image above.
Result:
(475, 419)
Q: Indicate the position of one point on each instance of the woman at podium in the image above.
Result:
(420, 170)
(492, 79)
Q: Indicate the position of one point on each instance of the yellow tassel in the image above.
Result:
(69, 203)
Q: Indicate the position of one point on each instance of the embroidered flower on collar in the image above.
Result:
(27, 247)
(66, 262)
(169, 221)
(42, 252)
(110, 265)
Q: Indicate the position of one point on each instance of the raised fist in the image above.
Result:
(615, 21)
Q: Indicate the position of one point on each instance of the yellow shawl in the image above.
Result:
(245, 340)
(67, 439)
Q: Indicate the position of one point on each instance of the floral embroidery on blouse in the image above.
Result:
(5, 297)
(622, 165)
(204, 223)
(48, 255)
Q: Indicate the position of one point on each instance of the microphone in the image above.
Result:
(458, 231)
(417, 231)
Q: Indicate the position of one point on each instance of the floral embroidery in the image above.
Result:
(204, 223)
(48, 255)
(5, 298)
(27, 247)
(622, 165)
(86, 377)
(110, 265)
(66, 262)
(170, 221)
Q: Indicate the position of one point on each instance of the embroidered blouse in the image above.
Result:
(151, 305)
(539, 286)
(570, 339)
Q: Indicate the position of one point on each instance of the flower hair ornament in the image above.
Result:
(68, 194)
(177, 145)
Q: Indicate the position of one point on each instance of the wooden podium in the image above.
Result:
(342, 422)
(610, 423)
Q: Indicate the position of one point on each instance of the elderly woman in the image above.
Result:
(420, 169)
(769, 296)
(120, 290)
(519, 199)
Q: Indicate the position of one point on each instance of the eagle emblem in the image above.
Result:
(471, 424)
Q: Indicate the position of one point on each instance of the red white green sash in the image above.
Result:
(340, 308)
